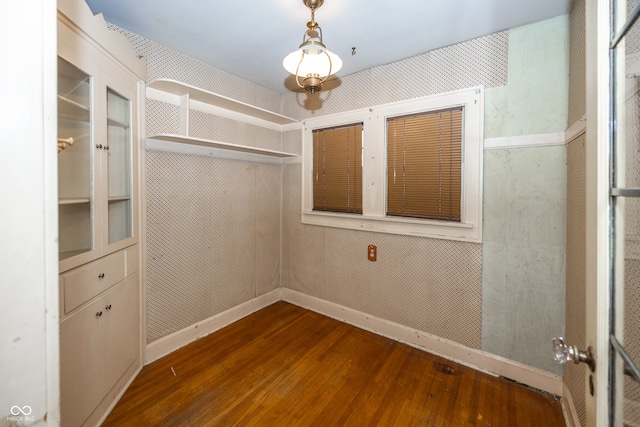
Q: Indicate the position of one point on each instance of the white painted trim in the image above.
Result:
(597, 254)
(476, 359)
(78, 16)
(374, 169)
(568, 408)
(173, 342)
(525, 141)
(577, 129)
(142, 220)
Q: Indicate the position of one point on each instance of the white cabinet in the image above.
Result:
(97, 160)
(99, 85)
(98, 343)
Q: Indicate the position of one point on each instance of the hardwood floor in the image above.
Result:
(287, 366)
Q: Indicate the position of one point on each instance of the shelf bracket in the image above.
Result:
(184, 114)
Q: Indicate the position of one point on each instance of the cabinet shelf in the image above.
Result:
(117, 123)
(69, 254)
(72, 109)
(217, 144)
(196, 94)
(113, 199)
(74, 201)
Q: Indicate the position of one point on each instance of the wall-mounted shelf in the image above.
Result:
(217, 144)
(196, 94)
(190, 97)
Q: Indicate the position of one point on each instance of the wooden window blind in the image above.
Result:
(424, 165)
(337, 169)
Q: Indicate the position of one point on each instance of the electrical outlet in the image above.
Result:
(372, 252)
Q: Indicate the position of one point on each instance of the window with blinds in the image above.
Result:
(424, 165)
(337, 169)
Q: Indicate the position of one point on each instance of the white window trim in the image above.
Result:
(374, 169)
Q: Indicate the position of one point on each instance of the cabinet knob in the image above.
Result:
(106, 147)
(98, 146)
(98, 313)
(101, 276)
(108, 307)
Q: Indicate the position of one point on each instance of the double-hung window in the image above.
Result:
(424, 165)
(337, 169)
(412, 167)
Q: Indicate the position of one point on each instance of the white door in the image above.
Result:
(613, 218)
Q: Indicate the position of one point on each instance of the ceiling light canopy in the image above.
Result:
(312, 62)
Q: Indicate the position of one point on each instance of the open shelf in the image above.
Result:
(220, 145)
(196, 94)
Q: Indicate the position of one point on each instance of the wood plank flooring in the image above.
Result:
(287, 366)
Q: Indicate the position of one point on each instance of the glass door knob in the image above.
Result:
(563, 352)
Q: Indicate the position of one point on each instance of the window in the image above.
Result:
(337, 169)
(421, 167)
(424, 165)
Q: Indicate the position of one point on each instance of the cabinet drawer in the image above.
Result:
(85, 282)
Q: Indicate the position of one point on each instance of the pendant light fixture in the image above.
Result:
(312, 62)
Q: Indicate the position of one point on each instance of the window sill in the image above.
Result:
(467, 232)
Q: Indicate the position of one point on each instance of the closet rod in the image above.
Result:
(64, 142)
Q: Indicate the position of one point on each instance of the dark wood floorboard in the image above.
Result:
(287, 366)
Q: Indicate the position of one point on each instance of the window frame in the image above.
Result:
(374, 169)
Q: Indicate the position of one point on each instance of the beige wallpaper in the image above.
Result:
(576, 211)
(576, 269)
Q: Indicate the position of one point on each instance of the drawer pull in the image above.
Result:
(108, 307)
(98, 314)
(101, 276)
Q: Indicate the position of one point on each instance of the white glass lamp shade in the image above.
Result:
(315, 61)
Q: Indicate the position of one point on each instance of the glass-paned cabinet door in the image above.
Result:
(119, 167)
(75, 163)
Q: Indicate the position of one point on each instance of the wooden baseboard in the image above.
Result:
(171, 343)
(477, 359)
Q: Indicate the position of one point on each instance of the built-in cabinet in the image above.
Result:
(100, 340)
(98, 214)
(96, 161)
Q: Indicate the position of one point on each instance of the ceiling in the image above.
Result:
(250, 38)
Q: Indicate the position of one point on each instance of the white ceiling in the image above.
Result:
(250, 38)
